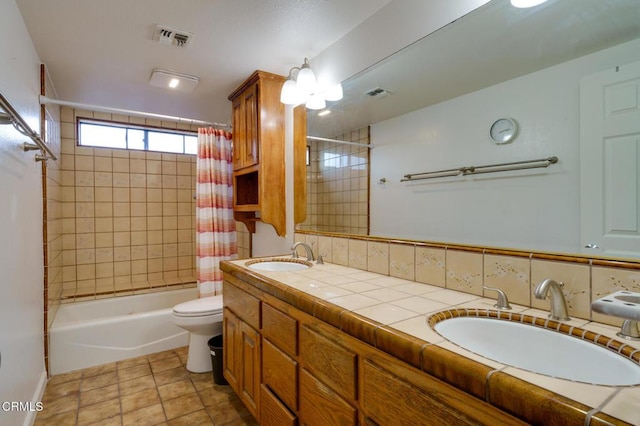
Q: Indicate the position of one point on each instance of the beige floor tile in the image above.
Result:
(160, 355)
(152, 415)
(66, 377)
(213, 396)
(176, 389)
(98, 412)
(200, 418)
(166, 364)
(95, 396)
(136, 385)
(201, 380)
(60, 405)
(183, 405)
(139, 400)
(99, 369)
(132, 362)
(227, 411)
(60, 419)
(98, 381)
(170, 376)
(134, 372)
(58, 390)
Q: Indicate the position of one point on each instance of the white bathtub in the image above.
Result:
(85, 334)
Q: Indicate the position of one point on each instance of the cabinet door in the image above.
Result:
(238, 131)
(230, 336)
(249, 347)
(251, 147)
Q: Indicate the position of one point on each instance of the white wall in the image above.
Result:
(22, 371)
(537, 209)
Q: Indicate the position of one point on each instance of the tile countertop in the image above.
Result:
(405, 305)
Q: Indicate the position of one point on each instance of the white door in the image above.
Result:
(610, 161)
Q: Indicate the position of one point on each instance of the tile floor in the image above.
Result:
(154, 389)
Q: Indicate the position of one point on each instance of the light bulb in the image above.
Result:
(289, 93)
(306, 81)
(526, 3)
(316, 101)
(334, 93)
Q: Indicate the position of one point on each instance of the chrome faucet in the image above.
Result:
(306, 247)
(558, 302)
(502, 302)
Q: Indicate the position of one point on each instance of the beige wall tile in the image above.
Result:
(358, 254)
(464, 271)
(378, 257)
(430, 266)
(340, 251)
(510, 274)
(402, 261)
(576, 280)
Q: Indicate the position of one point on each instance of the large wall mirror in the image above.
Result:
(430, 107)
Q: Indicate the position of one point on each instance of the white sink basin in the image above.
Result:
(277, 265)
(540, 350)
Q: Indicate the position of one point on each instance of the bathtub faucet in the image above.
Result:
(558, 302)
(306, 247)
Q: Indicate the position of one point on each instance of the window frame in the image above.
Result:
(130, 126)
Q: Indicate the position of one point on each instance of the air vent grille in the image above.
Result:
(377, 92)
(171, 36)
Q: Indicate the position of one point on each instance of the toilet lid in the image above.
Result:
(203, 306)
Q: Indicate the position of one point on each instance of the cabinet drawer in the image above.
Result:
(280, 328)
(319, 405)
(280, 373)
(331, 363)
(273, 412)
(388, 399)
(242, 304)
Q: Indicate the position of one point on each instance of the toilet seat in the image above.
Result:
(199, 307)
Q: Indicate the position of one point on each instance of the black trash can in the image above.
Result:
(215, 347)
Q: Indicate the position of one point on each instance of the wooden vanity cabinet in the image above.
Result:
(242, 346)
(259, 153)
(311, 373)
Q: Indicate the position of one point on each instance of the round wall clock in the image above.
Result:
(504, 130)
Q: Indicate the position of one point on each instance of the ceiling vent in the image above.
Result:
(378, 92)
(171, 36)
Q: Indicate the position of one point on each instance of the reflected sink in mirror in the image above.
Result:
(540, 350)
(278, 264)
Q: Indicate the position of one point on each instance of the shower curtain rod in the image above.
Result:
(317, 138)
(45, 101)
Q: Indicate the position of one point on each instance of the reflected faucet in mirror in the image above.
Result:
(559, 311)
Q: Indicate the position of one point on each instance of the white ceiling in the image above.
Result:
(102, 52)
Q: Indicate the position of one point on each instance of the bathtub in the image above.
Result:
(85, 334)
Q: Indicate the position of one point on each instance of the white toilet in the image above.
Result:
(202, 318)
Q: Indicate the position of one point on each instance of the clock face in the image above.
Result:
(504, 130)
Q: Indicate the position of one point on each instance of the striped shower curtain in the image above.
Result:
(215, 227)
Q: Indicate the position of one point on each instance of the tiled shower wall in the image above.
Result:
(338, 185)
(127, 217)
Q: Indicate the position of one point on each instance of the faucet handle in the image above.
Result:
(502, 301)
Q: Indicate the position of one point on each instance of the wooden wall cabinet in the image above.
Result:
(259, 153)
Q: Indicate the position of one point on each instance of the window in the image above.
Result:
(123, 136)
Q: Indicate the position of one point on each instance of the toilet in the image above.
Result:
(202, 318)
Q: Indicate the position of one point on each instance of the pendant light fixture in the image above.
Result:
(304, 89)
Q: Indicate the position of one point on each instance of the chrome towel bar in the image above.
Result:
(12, 117)
(489, 168)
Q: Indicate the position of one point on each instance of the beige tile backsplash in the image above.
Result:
(467, 270)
